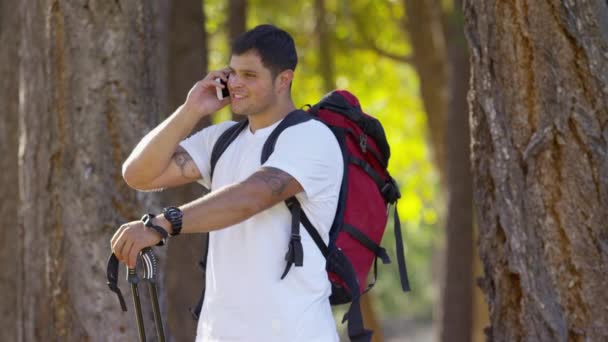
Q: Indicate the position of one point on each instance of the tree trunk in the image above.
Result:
(539, 118)
(481, 315)
(424, 27)
(10, 247)
(440, 59)
(370, 318)
(457, 292)
(326, 58)
(90, 90)
(237, 24)
(237, 18)
(187, 65)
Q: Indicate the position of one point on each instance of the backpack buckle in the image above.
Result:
(390, 191)
(363, 142)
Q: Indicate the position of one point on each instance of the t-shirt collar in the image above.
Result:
(263, 132)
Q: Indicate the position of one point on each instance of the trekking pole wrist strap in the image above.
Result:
(147, 220)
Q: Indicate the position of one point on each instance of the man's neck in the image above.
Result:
(270, 117)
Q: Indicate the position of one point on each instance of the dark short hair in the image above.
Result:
(274, 46)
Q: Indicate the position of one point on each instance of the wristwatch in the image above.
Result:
(147, 220)
(174, 216)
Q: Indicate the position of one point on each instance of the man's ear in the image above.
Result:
(284, 79)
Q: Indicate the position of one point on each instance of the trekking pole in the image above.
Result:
(150, 271)
(133, 279)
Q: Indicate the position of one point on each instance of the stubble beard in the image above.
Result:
(252, 110)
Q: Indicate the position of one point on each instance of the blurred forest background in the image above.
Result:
(83, 81)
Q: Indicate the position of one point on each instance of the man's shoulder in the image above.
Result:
(211, 133)
(312, 129)
(220, 127)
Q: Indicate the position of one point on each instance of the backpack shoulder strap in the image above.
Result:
(295, 253)
(224, 141)
(293, 118)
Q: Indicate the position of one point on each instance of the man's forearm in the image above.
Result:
(217, 210)
(153, 153)
(236, 203)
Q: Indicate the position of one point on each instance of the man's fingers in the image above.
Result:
(116, 236)
(125, 250)
(206, 84)
(118, 244)
(132, 256)
(217, 74)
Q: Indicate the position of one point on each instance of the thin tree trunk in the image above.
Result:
(326, 57)
(457, 292)
(424, 27)
(237, 18)
(10, 242)
(539, 124)
(187, 65)
(439, 56)
(370, 318)
(237, 24)
(90, 90)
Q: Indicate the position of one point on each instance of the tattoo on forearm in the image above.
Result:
(185, 163)
(276, 179)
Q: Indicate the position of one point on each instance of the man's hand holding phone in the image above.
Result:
(222, 92)
(203, 98)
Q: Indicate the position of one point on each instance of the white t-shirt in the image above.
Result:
(245, 299)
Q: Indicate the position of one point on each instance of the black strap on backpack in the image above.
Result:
(224, 141)
(295, 253)
(336, 260)
(390, 192)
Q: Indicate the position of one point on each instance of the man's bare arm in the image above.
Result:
(150, 163)
(238, 202)
(181, 170)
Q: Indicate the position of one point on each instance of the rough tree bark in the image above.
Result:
(89, 87)
(187, 65)
(10, 255)
(539, 125)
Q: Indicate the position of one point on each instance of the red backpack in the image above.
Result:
(366, 193)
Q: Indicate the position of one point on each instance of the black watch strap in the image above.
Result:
(147, 220)
(174, 216)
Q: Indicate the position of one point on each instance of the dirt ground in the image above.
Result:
(408, 331)
(403, 330)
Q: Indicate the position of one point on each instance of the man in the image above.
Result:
(249, 224)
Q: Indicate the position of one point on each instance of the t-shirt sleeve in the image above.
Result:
(310, 153)
(199, 147)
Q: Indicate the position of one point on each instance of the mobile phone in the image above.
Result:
(222, 92)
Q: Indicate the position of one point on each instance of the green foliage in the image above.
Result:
(388, 90)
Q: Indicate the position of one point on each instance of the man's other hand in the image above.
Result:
(130, 239)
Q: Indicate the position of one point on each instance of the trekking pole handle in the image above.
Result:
(150, 266)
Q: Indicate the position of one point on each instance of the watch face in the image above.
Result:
(173, 213)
